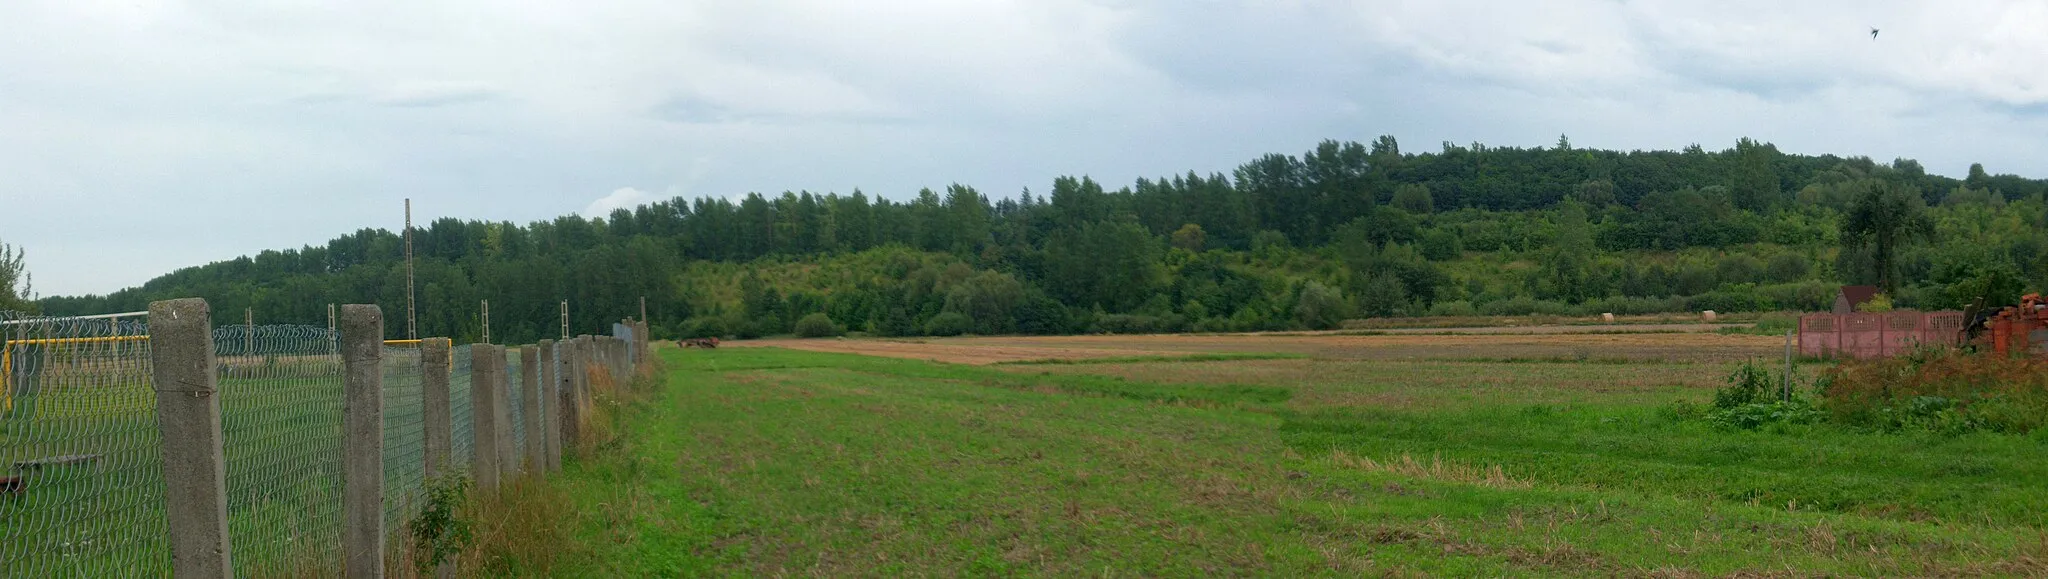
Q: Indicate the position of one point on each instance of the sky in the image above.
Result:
(141, 136)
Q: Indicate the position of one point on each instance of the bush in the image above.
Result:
(1524, 306)
(1754, 398)
(1137, 324)
(1319, 307)
(1458, 308)
(948, 324)
(817, 325)
(704, 328)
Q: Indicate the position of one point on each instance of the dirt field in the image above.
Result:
(1704, 347)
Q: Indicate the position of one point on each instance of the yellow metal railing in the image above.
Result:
(7, 360)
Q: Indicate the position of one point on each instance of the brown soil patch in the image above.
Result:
(980, 350)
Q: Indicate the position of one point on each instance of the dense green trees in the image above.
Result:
(1283, 241)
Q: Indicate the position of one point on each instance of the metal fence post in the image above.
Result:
(437, 417)
(188, 416)
(551, 408)
(362, 426)
(529, 396)
(483, 455)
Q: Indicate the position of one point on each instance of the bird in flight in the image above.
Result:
(1873, 34)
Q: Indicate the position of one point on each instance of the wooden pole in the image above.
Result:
(1788, 366)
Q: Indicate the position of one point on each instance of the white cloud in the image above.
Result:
(621, 198)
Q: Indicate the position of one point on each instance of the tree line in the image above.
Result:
(1342, 230)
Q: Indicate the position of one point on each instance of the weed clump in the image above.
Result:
(1753, 398)
(1941, 390)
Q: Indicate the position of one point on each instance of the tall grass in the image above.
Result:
(522, 529)
(1942, 390)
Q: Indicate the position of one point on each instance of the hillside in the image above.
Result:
(1344, 230)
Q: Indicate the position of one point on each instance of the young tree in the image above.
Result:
(16, 291)
(1414, 198)
(1884, 217)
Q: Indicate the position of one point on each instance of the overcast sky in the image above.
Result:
(140, 136)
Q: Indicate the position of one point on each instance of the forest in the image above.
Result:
(1345, 230)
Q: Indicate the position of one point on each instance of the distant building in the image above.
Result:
(1853, 296)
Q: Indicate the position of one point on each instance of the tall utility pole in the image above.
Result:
(565, 320)
(412, 330)
(643, 308)
(487, 321)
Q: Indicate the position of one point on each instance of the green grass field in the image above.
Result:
(777, 462)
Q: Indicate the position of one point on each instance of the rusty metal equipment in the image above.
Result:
(2020, 329)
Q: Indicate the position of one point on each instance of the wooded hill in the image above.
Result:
(1344, 230)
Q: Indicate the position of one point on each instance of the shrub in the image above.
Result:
(704, 328)
(817, 325)
(1453, 308)
(1319, 307)
(948, 324)
(1754, 398)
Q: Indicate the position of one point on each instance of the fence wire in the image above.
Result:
(516, 405)
(404, 437)
(83, 491)
(281, 402)
(82, 495)
(463, 441)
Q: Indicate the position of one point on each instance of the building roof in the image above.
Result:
(1857, 294)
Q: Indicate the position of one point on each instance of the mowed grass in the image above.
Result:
(776, 462)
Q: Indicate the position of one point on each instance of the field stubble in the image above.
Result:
(1382, 455)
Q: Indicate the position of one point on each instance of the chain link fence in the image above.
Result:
(83, 494)
(83, 491)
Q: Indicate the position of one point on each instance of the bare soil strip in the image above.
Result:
(1704, 347)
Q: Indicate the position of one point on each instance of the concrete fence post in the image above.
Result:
(529, 397)
(362, 431)
(483, 455)
(551, 409)
(565, 395)
(437, 416)
(188, 417)
(646, 342)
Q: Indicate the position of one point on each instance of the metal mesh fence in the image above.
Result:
(281, 401)
(404, 436)
(516, 405)
(463, 442)
(83, 492)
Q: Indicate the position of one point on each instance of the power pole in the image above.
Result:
(643, 308)
(249, 332)
(565, 320)
(412, 331)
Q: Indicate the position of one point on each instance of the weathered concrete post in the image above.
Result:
(483, 455)
(646, 339)
(529, 397)
(362, 441)
(188, 417)
(437, 416)
(565, 395)
(551, 410)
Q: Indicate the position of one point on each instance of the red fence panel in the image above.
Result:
(1876, 335)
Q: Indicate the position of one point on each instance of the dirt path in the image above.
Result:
(1390, 346)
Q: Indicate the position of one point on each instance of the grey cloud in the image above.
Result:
(286, 124)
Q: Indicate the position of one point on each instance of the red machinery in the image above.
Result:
(2022, 328)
